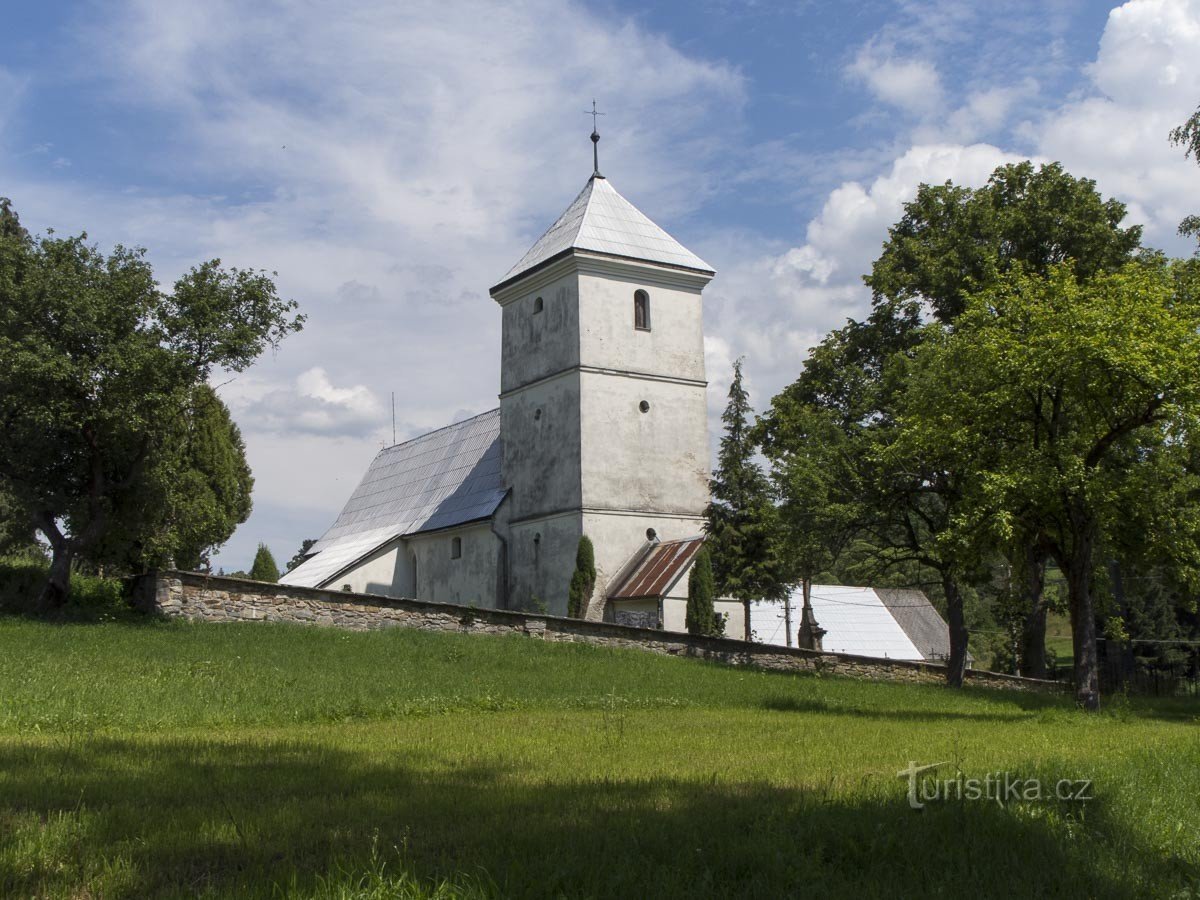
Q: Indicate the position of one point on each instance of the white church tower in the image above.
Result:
(602, 396)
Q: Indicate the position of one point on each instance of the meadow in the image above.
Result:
(143, 758)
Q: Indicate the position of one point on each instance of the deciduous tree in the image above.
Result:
(97, 369)
(1063, 405)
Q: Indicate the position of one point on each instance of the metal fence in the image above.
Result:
(1140, 667)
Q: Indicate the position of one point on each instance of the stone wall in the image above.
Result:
(217, 599)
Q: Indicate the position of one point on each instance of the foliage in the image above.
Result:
(98, 368)
(583, 579)
(954, 240)
(1187, 135)
(1065, 407)
(817, 479)
(259, 760)
(741, 518)
(301, 554)
(263, 567)
(701, 616)
(17, 534)
(92, 598)
(951, 241)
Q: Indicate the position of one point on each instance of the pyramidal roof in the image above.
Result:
(600, 220)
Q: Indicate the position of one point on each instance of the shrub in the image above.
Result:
(583, 581)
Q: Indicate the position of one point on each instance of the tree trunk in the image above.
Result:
(54, 594)
(746, 606)
(1033, 629)
(956, 666)
(787, 618)
(1083, 632)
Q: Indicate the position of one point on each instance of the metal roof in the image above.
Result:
(444, 478)
(855, 620)
(919, 619)
(600, 220)
(661, 565)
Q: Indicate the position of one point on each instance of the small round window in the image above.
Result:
(644, 406)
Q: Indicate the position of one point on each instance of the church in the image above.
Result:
(601, 431)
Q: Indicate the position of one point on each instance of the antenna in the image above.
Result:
(393, 418)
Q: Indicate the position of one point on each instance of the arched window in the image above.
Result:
(641, 310)
(455, 548)
(538, 305)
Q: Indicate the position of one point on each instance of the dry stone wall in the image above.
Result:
(217, 599)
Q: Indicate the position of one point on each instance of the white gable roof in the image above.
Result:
(444, 478)
(855, 620)
(600, 220)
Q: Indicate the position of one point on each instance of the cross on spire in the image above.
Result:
(593, 112)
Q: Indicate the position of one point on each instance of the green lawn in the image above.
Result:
(175, 759)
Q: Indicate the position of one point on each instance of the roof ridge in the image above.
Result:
(419, 437)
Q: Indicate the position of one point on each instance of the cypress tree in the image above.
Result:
(701, 615)
(583, 580)
(264, 568)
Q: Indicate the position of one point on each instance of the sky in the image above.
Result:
(391, 161)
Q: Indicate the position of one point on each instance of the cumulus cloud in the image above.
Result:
(1145, 80)
(910, 84)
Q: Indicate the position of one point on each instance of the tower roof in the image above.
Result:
(601, 221)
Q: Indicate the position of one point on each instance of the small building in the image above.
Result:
(651, 590)
(887, 623)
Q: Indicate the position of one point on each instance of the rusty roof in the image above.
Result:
(660, 567)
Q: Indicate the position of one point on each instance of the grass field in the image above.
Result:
(173, 759)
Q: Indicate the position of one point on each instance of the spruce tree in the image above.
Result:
(741, 518)
(701, 616)
(583, 580)
(264, 568)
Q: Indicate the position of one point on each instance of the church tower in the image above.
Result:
(602, 396)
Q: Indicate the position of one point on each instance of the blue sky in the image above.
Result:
(390, 162)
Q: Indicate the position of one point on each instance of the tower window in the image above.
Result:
(641, 310)
(456, 548)
(644, 406)
(538, 305)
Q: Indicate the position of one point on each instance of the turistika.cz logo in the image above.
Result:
(999, 787)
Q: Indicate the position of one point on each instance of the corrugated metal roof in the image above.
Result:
(658, 570)
(444, 478)
(855, 620)
(600, 220)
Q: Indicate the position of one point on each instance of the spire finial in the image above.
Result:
(595, 140)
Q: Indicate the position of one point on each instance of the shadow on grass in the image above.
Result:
(239, 818)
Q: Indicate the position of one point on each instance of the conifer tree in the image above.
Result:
(741, 516)
(583, 580)
(701, 616)
(264, 568)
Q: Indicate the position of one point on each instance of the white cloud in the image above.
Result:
(390, 161)
(910, 84)
(1146, 80)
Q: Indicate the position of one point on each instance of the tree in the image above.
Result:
(816, 480)
(740, 518)
(193, 494)
(954, 240)
(1187, 135)
(97, 368)
(264, 568)
(1065, 405)
(701, 616)
(583, 579)
(301, 554)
